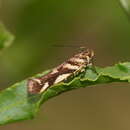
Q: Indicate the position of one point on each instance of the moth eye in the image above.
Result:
(88, 59)
(91, 53)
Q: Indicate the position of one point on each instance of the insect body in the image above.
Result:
(72, 66)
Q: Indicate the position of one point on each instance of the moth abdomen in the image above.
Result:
(34, 86)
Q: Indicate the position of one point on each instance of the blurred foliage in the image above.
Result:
(126, 5)
(6, 38)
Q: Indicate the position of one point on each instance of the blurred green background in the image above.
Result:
(47, 33)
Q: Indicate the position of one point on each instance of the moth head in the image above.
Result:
(86, 55)
(89, 53)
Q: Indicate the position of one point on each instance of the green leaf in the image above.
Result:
(16, 104)
(6, 37)
(126, 5)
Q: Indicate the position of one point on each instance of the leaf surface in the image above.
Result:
(6, 37)
(16, 104)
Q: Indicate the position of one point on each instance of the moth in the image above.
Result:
(73, 66)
